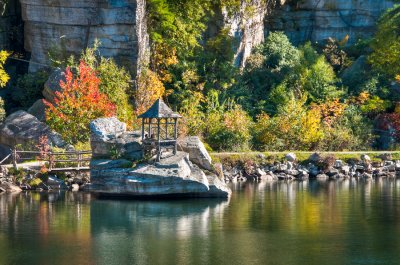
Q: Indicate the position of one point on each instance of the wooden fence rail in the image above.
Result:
(55, 161)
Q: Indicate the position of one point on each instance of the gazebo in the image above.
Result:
(160, 135)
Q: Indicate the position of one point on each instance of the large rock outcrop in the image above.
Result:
(25, 129)
(316, 20)
(175, 176)
(70, 26)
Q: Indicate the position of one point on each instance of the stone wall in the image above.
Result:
(120, 25)
(316, 20)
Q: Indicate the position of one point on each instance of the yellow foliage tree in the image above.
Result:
(149, 89)
(4, 77)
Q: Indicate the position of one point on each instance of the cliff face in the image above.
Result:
(247, 25)
(120, 25)
(316, 20)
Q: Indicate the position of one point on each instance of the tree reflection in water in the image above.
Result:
(308, 222)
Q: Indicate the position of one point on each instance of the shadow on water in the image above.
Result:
(308, 222)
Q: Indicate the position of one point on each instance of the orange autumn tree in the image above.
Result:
(79, 102)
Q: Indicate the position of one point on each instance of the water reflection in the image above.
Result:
(307, 222)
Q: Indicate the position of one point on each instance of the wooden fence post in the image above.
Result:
(14, 157)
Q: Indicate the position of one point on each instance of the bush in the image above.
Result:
(78, 103)
(293, 128)
(29, 88)
(115, 82)
(229, 131)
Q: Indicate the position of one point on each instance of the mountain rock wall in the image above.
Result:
(247, 25)
(70, 26)
(316, 20)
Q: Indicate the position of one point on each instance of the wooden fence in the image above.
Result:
(54, 161)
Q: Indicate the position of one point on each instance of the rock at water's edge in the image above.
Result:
(175, 176)
(197, 152)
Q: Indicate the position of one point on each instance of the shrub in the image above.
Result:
(115, 82)
(4, 77)
(229, 131)
(29, 88)
(294, 127)
(79, 102)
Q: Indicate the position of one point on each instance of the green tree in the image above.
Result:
(386, 43)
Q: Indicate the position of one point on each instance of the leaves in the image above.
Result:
(79, 102)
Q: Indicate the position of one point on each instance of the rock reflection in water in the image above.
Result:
(283, 222)
(151, 232)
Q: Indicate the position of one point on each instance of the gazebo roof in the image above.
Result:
(159, 110)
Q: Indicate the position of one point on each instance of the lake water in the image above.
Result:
(310, 222)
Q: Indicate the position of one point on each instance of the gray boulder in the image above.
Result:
(174, 176)
(25, 129)
(109, 163)
(197, 152)
(109, 139)
(55, 183)
(107, 128)
(52, 85)
(291, 157)
(38, 109)
(9, 187)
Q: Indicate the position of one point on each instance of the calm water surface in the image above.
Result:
(311, 222)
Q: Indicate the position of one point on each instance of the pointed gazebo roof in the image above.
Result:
(159, 110)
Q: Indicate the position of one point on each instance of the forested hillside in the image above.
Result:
(240, 84)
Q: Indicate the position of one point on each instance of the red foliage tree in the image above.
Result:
(79, 102)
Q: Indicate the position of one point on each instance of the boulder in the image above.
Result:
(291, 157)
(9, 187)
(315, 157)
(52, 85)
(25, 129)
(322, 177)
(75, 187)
(107, 128)
(197, 152)
(55, 183)
(38, 109)
(175, 176)
(365, 158)
(109, 139)
(109, 163)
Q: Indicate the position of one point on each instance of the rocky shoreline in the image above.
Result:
(31, 179)
(317, 166)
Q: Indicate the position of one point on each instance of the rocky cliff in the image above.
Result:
(120, 25)
(316, 20)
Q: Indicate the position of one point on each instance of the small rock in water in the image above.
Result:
(322, 176)
(74, 187)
